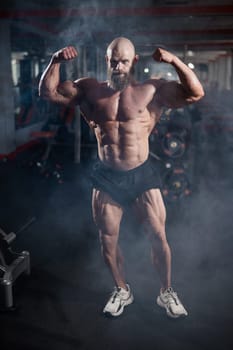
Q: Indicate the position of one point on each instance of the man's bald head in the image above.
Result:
(120, 58)
(121, 44)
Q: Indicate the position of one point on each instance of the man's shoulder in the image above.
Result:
(86, 81)
(90, 83)
(157, 82)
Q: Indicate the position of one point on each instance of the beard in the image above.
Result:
(119, 81)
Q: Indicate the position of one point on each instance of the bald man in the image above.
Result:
(122, 113)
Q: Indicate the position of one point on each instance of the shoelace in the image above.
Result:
(172, 295)
(115, 294)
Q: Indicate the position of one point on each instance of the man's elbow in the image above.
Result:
(201, 93)
(197, 96)
(47, 95)
(43, 93)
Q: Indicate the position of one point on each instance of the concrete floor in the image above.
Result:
(59, 306)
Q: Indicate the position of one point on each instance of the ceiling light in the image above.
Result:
(190, 53)
(191, 65)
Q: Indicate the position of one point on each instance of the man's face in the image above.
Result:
(120, 68)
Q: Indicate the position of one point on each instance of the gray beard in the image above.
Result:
(118, 82)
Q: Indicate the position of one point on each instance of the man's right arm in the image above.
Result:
(174, 94)
(50, 87)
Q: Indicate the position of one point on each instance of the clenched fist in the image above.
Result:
(65, 54)
(161, 55)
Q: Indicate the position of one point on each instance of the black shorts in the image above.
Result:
(125, 186)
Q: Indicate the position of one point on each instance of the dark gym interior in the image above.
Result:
(54, 283)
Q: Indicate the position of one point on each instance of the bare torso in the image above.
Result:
(122, 121)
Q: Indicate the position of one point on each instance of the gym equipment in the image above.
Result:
(12, 265)
(173, 144)
(175, 184)
(47, 166)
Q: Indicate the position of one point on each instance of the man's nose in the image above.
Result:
(118, 66)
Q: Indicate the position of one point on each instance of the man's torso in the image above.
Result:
(122, 121)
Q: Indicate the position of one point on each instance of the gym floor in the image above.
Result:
(59, 305)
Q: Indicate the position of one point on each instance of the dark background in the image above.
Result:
(59, 306)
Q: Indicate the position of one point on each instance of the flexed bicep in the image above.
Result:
(172, 94)
(69, 93)
(50, 86)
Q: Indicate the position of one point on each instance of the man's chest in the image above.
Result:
(126, 105)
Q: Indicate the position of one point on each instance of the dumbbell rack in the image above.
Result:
(12, 265)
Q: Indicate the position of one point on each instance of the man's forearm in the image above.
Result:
(49, 80)
(188, 78)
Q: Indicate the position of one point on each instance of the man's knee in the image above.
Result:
(108, 252)
(155, 228)
(108, 242)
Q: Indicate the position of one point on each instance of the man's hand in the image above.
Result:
(65, 54)
(161, 55)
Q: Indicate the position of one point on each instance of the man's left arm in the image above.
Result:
(172, 94)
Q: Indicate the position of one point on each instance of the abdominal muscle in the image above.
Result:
(123, 145)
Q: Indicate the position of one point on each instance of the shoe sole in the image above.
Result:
(120, 311)
(169, 313)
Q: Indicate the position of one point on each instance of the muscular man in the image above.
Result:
(123, 112)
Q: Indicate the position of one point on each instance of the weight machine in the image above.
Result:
(12, 265)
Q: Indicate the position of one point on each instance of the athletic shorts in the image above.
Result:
(125, 186)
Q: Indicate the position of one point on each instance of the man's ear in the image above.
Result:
(136, 58)
(106, 58)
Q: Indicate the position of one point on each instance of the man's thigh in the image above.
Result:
(150, 209)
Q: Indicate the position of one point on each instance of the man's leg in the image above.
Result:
(153, 215)
(107, 216)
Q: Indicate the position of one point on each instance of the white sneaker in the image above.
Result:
(170, 301)
(120, 297)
